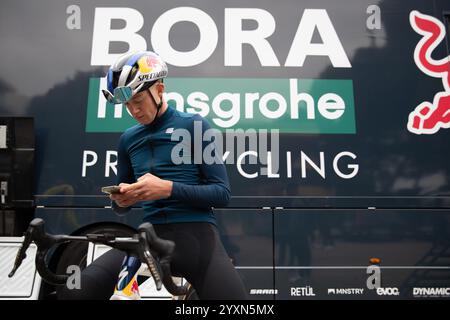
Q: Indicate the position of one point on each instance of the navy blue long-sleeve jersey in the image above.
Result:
(196, 187)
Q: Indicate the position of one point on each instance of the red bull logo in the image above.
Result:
(152, 62)
(135, 286)
(148, 64)
(429, 118)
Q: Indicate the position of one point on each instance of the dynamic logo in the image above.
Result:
(428, 118)
(431, 292)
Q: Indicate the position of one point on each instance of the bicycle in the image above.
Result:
(146, 255)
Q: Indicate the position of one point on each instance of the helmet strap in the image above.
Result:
(158, 105)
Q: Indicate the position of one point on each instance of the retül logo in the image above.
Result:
(428, 118)
(302, 292)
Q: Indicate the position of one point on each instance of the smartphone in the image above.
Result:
(111, 189)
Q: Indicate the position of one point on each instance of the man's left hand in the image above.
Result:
(148, 187)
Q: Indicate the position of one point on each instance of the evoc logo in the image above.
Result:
(388, 292)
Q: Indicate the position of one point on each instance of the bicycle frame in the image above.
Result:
(127, 286)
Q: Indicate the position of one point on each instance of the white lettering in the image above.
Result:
(110, 164)
(302, 45)
(239, 164)
(235, 36)
(304, 158)
(88, 163)
(354, 167)
(103, 35)
(206, 45)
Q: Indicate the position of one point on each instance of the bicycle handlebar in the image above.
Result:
(144, 245)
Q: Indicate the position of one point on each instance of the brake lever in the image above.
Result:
(21, 254)
(149, 260)
(164, 249)
(36, 233)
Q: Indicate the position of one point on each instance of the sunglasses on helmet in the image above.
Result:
(121, 95)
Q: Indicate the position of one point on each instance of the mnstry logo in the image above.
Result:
(431, 292)
(346, 291)
(290, 105)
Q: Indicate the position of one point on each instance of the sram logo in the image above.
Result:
(234, 34)
(263, 291)
(388, 291)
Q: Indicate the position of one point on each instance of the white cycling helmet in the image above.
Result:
(132, 73)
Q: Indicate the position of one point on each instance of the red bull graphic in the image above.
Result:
(147, 64)
(428, 118)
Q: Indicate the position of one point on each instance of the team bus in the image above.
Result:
(335, 118)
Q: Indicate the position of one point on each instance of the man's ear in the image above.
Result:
(161, 88)
(157, 90)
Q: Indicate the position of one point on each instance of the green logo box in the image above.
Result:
(289, 105)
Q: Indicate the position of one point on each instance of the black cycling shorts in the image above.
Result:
(199, 257)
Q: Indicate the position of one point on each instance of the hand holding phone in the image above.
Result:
(111, 189)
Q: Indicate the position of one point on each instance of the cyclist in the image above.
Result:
(176, 198)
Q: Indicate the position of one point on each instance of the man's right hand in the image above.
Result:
(122, 200)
